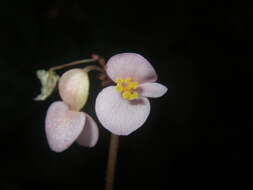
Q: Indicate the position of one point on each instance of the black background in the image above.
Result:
(198, 135)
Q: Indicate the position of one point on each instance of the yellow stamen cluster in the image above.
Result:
(127, 88)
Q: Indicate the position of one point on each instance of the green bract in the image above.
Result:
(48, 81)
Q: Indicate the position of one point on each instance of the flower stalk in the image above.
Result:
(112, 160)
(73, 63)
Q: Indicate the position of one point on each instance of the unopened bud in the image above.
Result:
(74, 88)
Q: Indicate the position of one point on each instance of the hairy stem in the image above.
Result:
(112, 160)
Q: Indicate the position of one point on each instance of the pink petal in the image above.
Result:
(89, 135)
(130, 65)
(153, 90)
(118, 115)
(63, 126)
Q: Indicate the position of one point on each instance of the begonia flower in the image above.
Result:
(65, 123)
(124, 108)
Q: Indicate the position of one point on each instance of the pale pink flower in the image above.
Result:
(65, 123)
(124, 108)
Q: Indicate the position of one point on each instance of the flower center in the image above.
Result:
(127, 88)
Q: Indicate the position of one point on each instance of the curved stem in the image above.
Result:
(112, 160)
(72, 63)
(92, 68)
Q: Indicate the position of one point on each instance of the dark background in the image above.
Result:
(199, 135)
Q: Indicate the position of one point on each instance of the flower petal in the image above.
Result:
(118, 115)
(152, 90)
(63, 126)
(89, 135)
(130, 65)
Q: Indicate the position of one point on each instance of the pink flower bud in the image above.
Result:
(74, 88)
